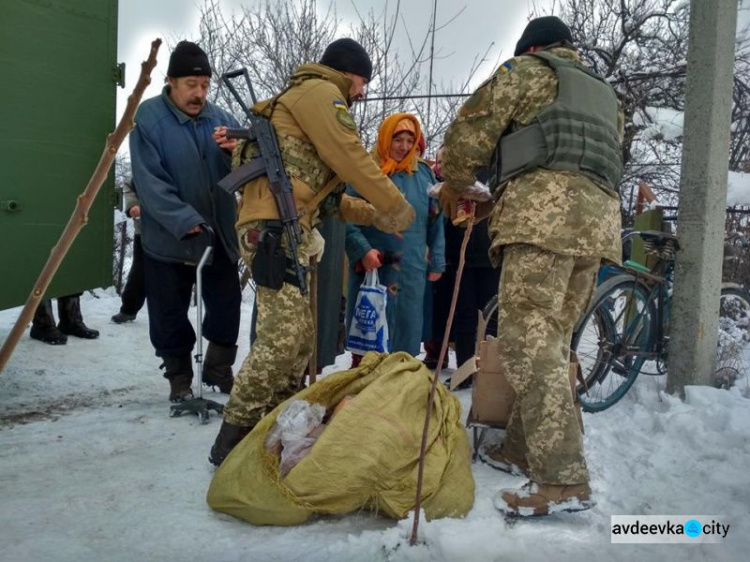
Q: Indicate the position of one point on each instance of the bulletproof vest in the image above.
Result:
(577, 133)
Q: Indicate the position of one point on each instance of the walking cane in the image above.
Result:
(199, 405)
(436, 378)
(312, 367)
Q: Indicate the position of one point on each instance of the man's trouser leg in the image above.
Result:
(134, 293)
(223, 298)
(169, 288)
(540, 302)
(273, 371)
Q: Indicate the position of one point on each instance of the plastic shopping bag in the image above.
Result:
(369, 326)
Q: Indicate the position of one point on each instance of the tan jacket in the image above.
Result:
(314, 110)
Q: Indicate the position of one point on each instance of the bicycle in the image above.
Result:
(627, 322)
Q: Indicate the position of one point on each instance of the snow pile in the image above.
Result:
(660, 123)
(98, 471)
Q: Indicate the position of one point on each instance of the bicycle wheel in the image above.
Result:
(611, 339)
(489, 314)
(734, 311)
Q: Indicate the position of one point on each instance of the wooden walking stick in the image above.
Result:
(436, 378)
(79, 218)
(312, 367)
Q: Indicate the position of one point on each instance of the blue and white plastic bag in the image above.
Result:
(369, 326)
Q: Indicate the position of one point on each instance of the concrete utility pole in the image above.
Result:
(703, 190)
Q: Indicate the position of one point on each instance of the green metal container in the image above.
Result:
(58, 103)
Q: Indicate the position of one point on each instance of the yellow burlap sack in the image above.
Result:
(366, 458)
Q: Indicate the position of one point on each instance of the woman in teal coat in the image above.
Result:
(406, 262)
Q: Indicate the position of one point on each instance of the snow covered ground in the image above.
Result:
(92, 468)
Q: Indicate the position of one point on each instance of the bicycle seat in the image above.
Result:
(659, 239)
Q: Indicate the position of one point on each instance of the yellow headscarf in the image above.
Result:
(391, 126)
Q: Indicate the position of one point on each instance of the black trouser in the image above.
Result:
(134, 293)
(169, 289)
(478, 286)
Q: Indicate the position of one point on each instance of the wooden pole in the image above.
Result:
(312, 367)
(79, 218)
(436, 378)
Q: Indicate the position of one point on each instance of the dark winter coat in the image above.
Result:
(406, 276)
(176, 166)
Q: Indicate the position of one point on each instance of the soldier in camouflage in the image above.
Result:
(320, 147)
(545, 132)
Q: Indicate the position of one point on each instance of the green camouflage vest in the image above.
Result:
(301, 159)
(576, 133)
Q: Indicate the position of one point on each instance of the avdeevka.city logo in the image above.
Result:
(693, 528)
(696, 529)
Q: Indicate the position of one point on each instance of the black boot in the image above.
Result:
(71, 320)
(229, 436)
(122, 317)
(179, 372)
(43, 326)
(217, 366)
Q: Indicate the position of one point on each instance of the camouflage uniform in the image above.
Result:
(551, 229)
(318, 138)
(272, 372)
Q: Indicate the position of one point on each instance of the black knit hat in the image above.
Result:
(346, 55)
(188, 59)
(542, 32)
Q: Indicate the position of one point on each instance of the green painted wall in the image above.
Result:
(56, 108)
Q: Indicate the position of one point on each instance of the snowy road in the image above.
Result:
(92, 468)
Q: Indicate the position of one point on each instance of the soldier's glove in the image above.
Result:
(449, 201)
(457, 206)
(356, 211)
(396, 219)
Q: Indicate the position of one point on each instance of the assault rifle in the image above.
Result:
(268, 163)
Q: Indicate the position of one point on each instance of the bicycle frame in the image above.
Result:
(659, 282)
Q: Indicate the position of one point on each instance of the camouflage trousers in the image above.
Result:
(285, 335)
(541, 296)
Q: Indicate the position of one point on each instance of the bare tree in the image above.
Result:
(739, 152)
(271, 39)
(399, 80)
(123, 237)
(640, 46)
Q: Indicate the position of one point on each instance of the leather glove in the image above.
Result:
(396, 220)
(356, 211)
(449, 201)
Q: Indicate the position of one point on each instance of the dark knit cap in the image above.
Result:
(346, 55)
(542, 32)
(188, 59)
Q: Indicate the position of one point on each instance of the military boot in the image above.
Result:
(179, 373)
(43, 327)
(71, 320)
(229, 436)
(217, 367)
(534, 499)
(500, 458)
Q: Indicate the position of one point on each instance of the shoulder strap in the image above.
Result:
(559, 62)
(293, 81)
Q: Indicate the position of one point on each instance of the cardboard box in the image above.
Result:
(492, 395)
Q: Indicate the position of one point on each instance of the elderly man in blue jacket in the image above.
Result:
(179, 152)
